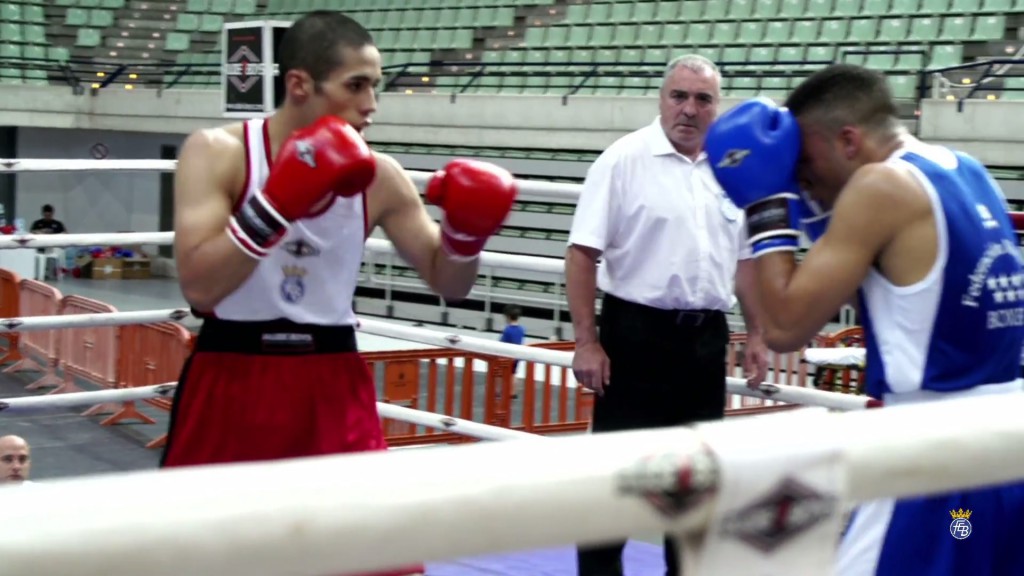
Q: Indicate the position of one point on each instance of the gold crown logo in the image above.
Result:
(293, 270)
(956, 514)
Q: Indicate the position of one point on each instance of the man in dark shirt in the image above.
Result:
(48, 224)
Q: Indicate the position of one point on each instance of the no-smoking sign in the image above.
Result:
(99, 151)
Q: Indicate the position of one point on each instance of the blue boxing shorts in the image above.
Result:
(933, 536)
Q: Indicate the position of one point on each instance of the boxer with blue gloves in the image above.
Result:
(754, 149)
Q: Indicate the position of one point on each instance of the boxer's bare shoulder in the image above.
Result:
(209, 178)
(392, 191)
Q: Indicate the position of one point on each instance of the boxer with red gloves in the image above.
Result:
(271, 219)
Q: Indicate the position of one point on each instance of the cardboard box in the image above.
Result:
(103, 269)
(135, 268)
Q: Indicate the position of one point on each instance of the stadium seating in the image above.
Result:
(538, 46)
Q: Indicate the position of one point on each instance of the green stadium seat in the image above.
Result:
(578, 35)
(644, 12)
(805, 31)
(876, 8)
(792, 9)
(628, 58)
(905, 7)
(894, 30)
(64, 3)
(883, 62)
(903, 87)
(221, 6)
(990, 28)
(608, 86)
(864, 30)
(576, 14)
(956, 28)
(198, 6)
(715, 10)
(10, 12)
(742, 87)
(625, 34)
(910, 61)
(820, 54)
(634, 86)
(667, 11)
(76, 17)
(691, 11)
(187, 22)
(789, 54)
(34, 33)
(966, 6)
(34, 14)
(741, 9)
(818, 8)
(946, 55)
(10, 50)
(765, 9)
(599, 13)
(101, 18)
(833, 31)
(751, 32)
(620, 12)
(88, 38)
(1014, 88)
(713, 53)
(10, 75)
(764, 55)
(937, 7)
(924, 29)
(36, 77)
(176, 42)
(734, 54)
(778, 31)
(211, 23)
(774, 87)
(34, 52)
(846, 8)
(724, 32)
(674, 34)
(244, 7)
(648, 35)
(89, 3)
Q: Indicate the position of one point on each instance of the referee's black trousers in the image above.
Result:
(667, 369)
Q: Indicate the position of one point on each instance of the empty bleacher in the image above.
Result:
(538, 46)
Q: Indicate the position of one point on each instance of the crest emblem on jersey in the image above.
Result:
(293, 288)
(305, 151)
(960, 528)
(733, 158)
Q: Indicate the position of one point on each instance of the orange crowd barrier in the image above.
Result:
(10, 307)
(39, 349)
(150, 354)
(90, 353)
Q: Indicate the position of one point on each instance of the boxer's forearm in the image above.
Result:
(211, 270)
(779, 317)
(452, 279)
(747, 294)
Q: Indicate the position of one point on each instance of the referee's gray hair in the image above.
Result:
(695, 63)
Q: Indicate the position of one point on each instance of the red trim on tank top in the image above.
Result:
(366, 218)
(266, 144)
(248, 176)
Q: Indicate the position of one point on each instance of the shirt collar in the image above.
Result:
(660, 145)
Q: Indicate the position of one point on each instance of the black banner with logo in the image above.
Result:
(243, 89)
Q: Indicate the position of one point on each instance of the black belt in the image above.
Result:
(274, 337)
(661, 316)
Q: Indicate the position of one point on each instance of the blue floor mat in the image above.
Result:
(639, 559)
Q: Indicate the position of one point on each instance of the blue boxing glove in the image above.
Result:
(753, 150)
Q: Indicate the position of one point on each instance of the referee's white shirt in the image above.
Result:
(669, 235)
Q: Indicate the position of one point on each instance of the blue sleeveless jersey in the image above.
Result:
(962, 325)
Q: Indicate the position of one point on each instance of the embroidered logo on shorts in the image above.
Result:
(960, 528)
(293, 288)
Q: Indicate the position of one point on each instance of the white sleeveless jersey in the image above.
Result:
(310, 277)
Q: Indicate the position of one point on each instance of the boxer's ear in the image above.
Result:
(851, 140)
(298, 85)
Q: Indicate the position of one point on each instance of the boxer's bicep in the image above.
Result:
(404, 218)
(202, 202)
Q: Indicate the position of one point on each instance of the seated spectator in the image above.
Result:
(48, 224)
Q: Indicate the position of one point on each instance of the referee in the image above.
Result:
(673, 251)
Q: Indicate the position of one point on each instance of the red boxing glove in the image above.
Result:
(325, 158)
(476, 198)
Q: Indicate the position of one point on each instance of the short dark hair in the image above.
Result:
(47, 208)
(312, 42)
(513, 312)
(843, 94)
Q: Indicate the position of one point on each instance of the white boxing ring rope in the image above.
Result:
(767, 391)
(362, 512)
(32, 404)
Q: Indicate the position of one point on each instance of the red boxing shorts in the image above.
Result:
(255, 391)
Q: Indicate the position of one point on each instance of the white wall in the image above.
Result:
(92, 201)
